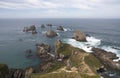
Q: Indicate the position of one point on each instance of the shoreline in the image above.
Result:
(43, 53)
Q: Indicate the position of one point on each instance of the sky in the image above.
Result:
(59, 8)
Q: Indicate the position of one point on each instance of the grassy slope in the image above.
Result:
(85, 64)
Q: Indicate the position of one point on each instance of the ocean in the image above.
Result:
(105, 34)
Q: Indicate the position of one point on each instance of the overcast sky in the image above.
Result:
(59, 8)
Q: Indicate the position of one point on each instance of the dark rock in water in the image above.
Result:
(49, 25)
(51, 33)
(79, 36)
(29, 53)
(3, 71)
(106, 58)
(116, 48)
(88, 35)
(20, 39)
(60, 28)
(34, 32)
(30, 29)
(42, 26)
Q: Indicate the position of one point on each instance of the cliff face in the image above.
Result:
(71, 63)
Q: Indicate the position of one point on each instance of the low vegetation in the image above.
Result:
(82, 65)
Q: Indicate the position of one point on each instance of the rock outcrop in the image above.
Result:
(51, 33)
(16, 73)
(75, 64)
(3, 71)
(42, 26)
(107, 58)
(42, 49)
(57, 45)
(79, 36)
(60, 28)
(30, 29)
(28, 72)
(50, 25)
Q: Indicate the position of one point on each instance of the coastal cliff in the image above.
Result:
(71, 62)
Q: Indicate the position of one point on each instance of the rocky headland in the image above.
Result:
(66, 61)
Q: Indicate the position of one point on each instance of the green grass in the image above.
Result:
(93, 62)
(65, 49)
(55, 75)
(56, 65)
(86, 76)
(76, 60)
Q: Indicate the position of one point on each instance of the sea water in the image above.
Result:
(105, 34)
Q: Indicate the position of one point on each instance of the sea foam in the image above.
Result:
(87, 46)
(92, 42)
(111, 49)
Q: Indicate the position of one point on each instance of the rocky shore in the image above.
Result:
(66, 61)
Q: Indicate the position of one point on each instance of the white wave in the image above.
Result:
(44, 32)
(93, 41)
(111, 49)
(58, 34)
(87, 46)
(67, 29)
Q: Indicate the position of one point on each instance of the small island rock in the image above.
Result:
(79, 36)
(51, 33)
(60, 28)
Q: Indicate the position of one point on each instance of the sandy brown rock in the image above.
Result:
(51, 33)
(42, 49)
(79, 36)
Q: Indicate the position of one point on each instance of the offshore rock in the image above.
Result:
(60, 28)
(42, 49)
(79, 36)
(30, 29)
(42, 26)
(51, 33)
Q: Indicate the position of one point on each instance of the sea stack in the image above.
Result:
(60, 28)
(79, 36)
(42, 26)
(32, 29)
(51, 33)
